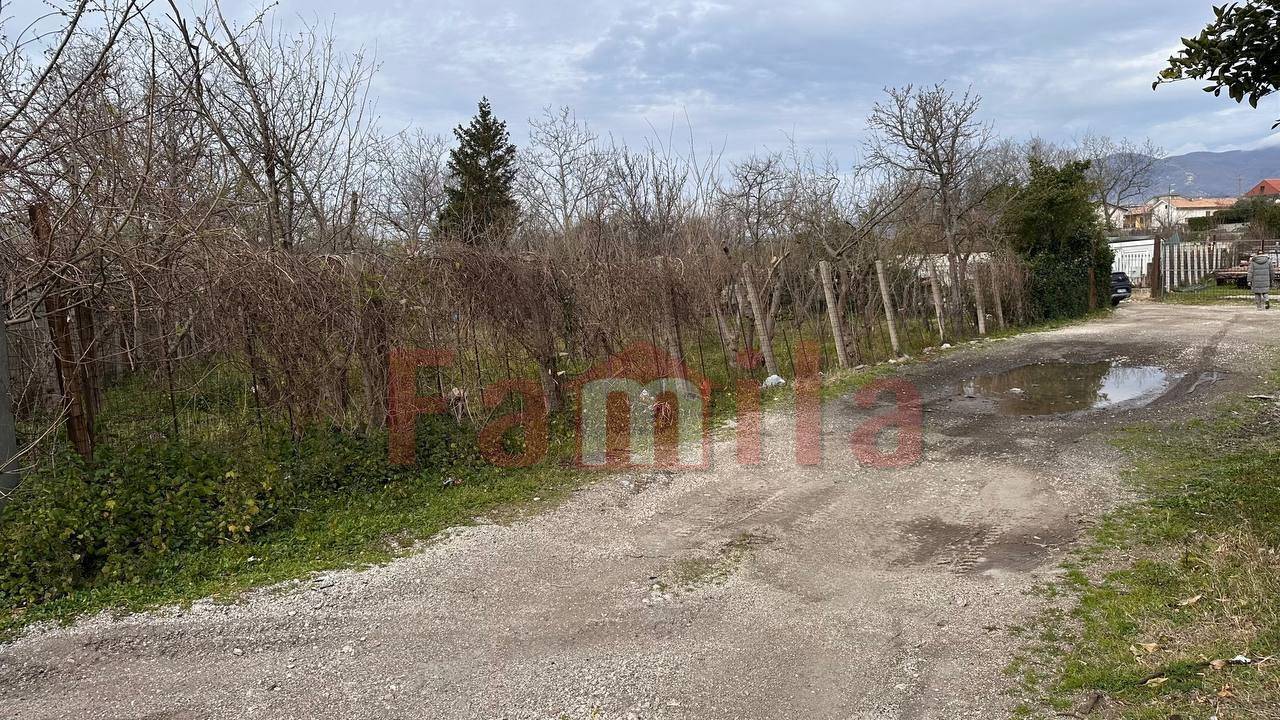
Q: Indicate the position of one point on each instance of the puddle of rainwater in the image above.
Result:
(1062, 387)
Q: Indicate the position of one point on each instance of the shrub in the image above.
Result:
(71, 524)
(1054, 226)
(1059, 286)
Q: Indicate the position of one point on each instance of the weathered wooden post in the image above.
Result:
(833, 313)
(977, 299)
(671, 331)
(8, 429)
(757, 309)
(890, 313)
(997, 299)
(936, 290)
(1157, 269)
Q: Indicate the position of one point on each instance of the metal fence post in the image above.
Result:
(8, 430)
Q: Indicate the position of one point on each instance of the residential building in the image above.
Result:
(1112, 217)
(1169, 211)
(1138, 218)
(1267, 188)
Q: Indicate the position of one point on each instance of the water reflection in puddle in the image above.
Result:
(1062, 387)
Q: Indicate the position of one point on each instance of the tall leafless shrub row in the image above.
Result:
(181, 192)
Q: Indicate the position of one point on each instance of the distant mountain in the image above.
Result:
(1208, 174)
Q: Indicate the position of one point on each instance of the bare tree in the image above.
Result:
(934, 136)
(1121, 170)
(563, 169)
(411, 186)
(293, 115)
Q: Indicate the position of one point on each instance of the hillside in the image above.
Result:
(1210, 174)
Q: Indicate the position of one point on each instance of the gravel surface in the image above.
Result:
(775, 591)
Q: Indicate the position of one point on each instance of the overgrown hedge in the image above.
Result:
(1054, 226)
(1059, 283)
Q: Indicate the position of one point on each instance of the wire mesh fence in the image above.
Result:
(1214, 271)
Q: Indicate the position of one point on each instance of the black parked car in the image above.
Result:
(1121, 288)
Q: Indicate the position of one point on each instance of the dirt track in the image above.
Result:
(770, 592)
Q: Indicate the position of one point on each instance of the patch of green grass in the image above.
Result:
(344, 530)
(1208, 295)
(691, 572)
(1172, 588)
(358, 517)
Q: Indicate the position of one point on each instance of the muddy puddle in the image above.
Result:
(1052, 388)
(981, 548)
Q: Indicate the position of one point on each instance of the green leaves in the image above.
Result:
(72, 525)
(1055, 227)
(1237, 53)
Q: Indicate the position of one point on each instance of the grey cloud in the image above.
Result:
(748, 72)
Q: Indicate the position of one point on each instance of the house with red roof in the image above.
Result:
(1266, 188)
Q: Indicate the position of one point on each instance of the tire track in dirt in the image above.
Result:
(871, 599)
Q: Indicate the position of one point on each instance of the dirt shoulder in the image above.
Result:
(775, 591)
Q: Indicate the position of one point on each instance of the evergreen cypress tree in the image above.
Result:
(482, 169)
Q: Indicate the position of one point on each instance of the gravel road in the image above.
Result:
(769, 592)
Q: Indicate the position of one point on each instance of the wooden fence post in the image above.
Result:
(938, 310)
(1157, 269)
(890, 313)
(833, 313)
(671, 329)
(766, 345)
(977, 299)
(8, 429)
(996, 298)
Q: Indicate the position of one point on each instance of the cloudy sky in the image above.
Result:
(747, 75)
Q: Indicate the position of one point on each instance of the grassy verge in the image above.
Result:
(1208, 295)
(347, 510)
(1173, 611)
(353, 529)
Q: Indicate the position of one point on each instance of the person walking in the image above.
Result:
(1260, 280)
